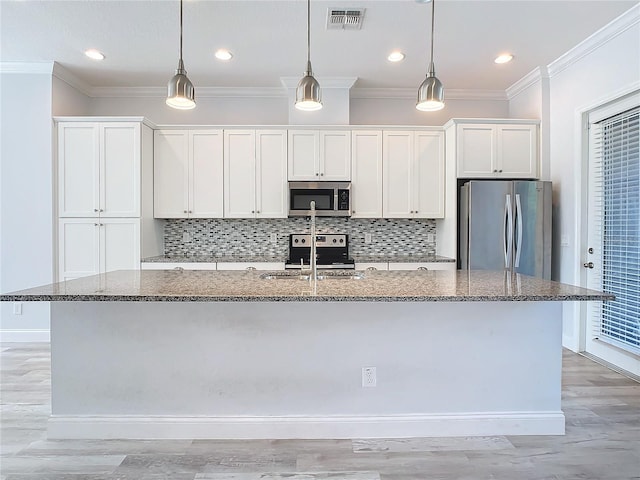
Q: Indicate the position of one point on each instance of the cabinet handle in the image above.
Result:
(190, 211)
(495, 171)
(322, 174)
(95, 210)
(317, 174)
(423, 268)
(184, 211)
(257, 211)
(101, 210)
(253, 211)
(95, 224)
(499, 171)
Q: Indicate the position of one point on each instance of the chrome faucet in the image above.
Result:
(313, 260)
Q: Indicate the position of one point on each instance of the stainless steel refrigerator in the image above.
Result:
(506, 225)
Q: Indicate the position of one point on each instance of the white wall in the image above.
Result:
(604, 73)
(26, 208)
(66, 100)
(402, 111)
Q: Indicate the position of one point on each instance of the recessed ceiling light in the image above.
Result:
(94, 54)
(504, 58)
(223, 54)
(395, 56)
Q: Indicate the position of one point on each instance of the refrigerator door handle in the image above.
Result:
(508, 232)
(519, 233)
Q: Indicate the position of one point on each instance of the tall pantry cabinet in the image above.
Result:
(105, 195)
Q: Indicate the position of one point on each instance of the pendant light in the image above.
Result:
(431, 91)
(181, 94)
(308, 93)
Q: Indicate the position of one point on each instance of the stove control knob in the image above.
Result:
(335, 241)
(342, 240)
(303, 241)
(295, 241)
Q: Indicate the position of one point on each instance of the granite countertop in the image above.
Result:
(386, 286)
(282, 258)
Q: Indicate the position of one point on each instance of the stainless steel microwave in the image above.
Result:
(333, 199)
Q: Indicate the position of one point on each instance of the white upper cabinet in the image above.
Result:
(99, 169)
(91, 246)
(319, 155)
(366, 174)
(413, 174)
(500, 150)
(255, 173)
(188, 174)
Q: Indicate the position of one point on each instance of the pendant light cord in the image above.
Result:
(308, 31)
(181, 31)
(433, 2)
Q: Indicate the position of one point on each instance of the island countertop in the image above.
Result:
(247, 286)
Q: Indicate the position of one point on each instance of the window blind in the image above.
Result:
(616, 188)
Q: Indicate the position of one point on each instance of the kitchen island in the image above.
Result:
(212, 354)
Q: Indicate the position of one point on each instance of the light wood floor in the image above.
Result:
(602, 441)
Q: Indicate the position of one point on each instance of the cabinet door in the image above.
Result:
(429, 175)
(78, 248)
(119, 244)
(271, 174)
(120, 170)
(476, 146)
(366, 174)
(78, 169)
(517, 151)
(397, 161)
(170, 174)
(335, 155)
(239, 173)
(206, 179)
(303, 155)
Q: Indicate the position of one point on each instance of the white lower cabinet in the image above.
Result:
(422, 266)
(89, 246)
(178, 265)
(372, 266)
(250, 265)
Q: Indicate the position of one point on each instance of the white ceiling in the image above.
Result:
(268, 39)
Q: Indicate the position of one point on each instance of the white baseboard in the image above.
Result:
(333, 427)
(20, 336)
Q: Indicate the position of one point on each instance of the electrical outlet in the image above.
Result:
(274, 238)
(186, 237)
(369, 377)
(431, 238)
(17, 308)
(367, 238)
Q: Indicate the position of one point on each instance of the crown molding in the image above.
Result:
(450, 94)
(325, 82)
(201, 92)
(27, 67)
(71, 79)
(617, 26)
(534, 76)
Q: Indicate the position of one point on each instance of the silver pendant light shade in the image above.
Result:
(431, 91)
(308, 93)
(180, 91)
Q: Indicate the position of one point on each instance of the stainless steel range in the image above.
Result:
(332, 251)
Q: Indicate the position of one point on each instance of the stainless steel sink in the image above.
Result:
(328, 275)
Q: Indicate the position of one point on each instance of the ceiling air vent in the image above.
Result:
(345, 19)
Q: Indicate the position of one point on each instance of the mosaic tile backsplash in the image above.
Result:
(247, 236)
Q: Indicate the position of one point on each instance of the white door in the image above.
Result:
(335, 156)
(612, 255)
(239, 174)
(78, 169)
(429, 175)
(476, 147)
(170, 174)
(271, 174)
(366, 174)
(79, 248)
(517, 151)
(119, 244)
(397, 165)
(120, 170)
(303, 155)
(206, 179)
